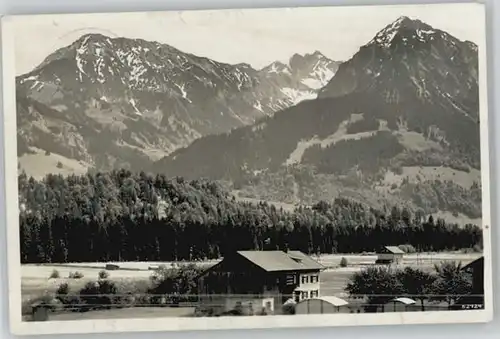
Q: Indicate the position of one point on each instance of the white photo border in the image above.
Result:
(19, 327)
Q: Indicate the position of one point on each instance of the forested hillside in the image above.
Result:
(398, 122)
(125, 216)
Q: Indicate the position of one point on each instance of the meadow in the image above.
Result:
(36, 281)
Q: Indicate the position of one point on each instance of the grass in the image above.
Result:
(55, 274)
(75, 275)
(40, 163)
(103, 274)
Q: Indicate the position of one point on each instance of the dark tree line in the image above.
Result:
(125, 216)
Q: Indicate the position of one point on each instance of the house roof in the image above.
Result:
(394, 249)
(273, 261)
(404, 300)
(333, 300)
(476, 264)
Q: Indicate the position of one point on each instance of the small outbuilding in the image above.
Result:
(402, 304)
(390, 255)
(326, 304)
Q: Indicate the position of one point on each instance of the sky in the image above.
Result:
(254, 36)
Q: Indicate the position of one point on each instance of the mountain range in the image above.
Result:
(396, 123)
(399, 123)
(116, 102)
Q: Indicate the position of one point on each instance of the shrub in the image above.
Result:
(475, 249)
(59, 164)
(103, 274)
(263, 311)
(378, 284)
(55, 275)
(177, 281)
(288, 308)
(203, 311)
(407, 248)
(451, 282)
(69, 301)
(75, 275)
(343, 262)
(100, 294)
(62, 290)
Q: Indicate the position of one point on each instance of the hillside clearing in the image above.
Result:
(39, 164)
(415, 174)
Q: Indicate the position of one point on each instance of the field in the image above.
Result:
(335, 278)
(135, 276)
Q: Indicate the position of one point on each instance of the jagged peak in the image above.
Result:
(308, 58)
(90, 38)
(315, 54)
(277, 67)
(243, 65)
(416, 27)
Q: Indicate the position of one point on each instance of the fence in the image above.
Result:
(202, 303)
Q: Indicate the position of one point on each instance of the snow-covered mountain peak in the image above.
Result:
(277, 67)
(406, 28)
(147, 99)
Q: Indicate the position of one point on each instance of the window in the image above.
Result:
(314, 278)
(305, 279)
(304, 295)
(297, 296)
(314, 294)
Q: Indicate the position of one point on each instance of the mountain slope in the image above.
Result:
(124, 102)
(405, 104)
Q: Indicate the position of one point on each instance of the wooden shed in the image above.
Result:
(390, 255)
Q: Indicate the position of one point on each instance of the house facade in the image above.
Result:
(259, 281)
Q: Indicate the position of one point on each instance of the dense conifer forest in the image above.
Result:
(126, 216)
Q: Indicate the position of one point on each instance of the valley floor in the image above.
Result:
(135, 276)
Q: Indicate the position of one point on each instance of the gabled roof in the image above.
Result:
(394, 249)
(274, 261)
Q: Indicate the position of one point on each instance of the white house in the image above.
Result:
(308, 286)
